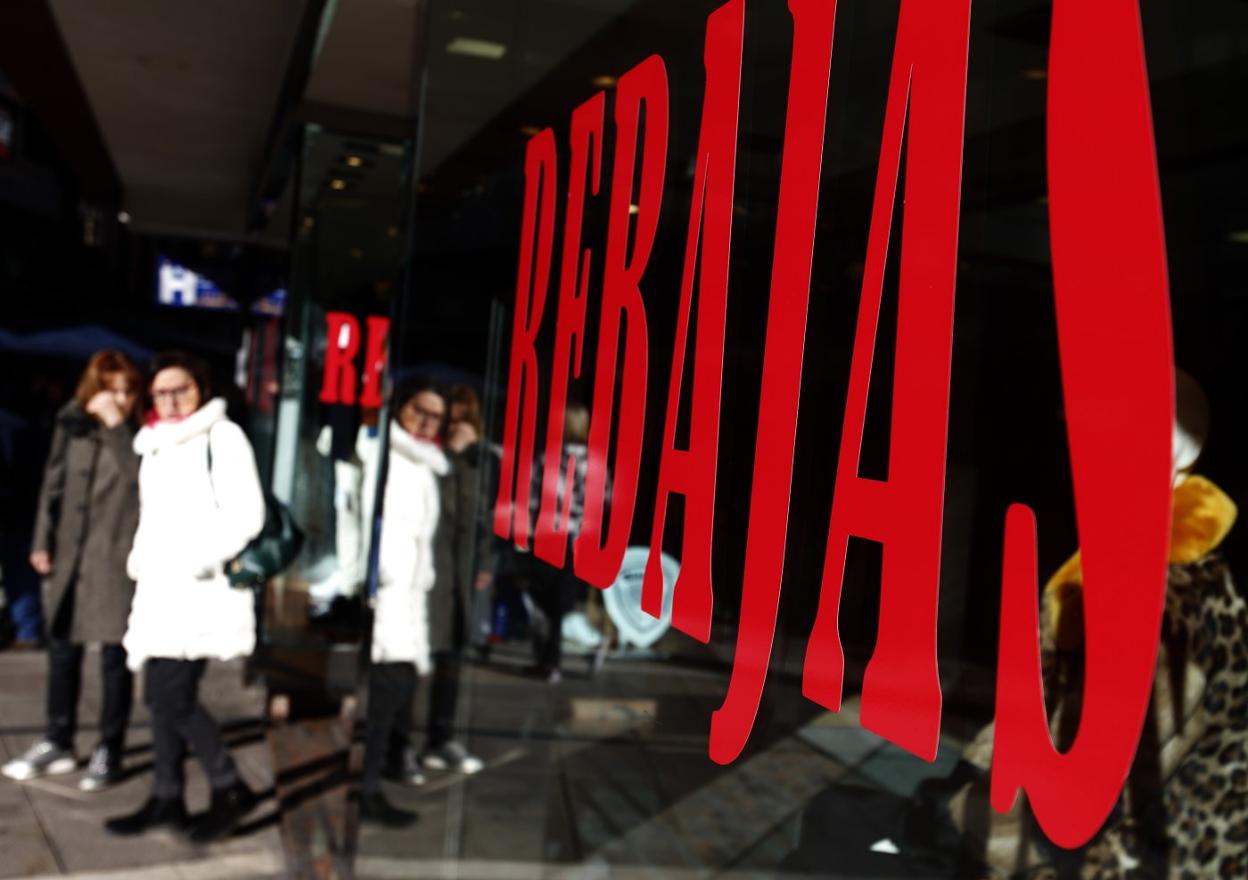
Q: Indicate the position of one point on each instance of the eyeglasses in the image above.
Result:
(171, 394)
(428, 414)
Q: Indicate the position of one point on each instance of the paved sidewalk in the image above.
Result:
(48, 828)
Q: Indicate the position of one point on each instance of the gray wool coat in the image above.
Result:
(87, 515)
(462, 548)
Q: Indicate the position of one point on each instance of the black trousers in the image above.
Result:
(388, 723)
(555, 591)
(391, 685)
(443, 698)
(65, 686)
(171, 692)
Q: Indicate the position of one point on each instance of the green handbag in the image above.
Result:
(272, 551)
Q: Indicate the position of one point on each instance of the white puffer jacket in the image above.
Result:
(405, 558)
(190, 525)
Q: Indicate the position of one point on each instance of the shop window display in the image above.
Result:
(876, 309)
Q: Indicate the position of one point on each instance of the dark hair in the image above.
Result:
(102, 365)
(463, 395)
(408, 388)
(193, 364)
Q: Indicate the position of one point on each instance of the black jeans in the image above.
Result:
(171, 692)
(443, 698)
(388, 723)
(555, 591)
(65, 686)
(392, 696)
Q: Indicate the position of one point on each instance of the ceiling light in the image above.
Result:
(392, 231)
(603, 82)
(633, 209)
(338, 184)
(1035, 73)
(476, 48)
(123, 217)
(1239, 236)
(354, 161)
(356, 253)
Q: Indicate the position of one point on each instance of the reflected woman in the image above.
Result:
(400, 648)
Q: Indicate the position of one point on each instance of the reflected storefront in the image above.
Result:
(907, 340)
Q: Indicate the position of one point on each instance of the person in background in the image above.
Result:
(557, 589)
(459, 603)
(400, 644)
(201, 504)
(21, 612)
(85, 521)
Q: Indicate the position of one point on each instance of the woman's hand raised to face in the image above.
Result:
(103, 405)
(460, 436)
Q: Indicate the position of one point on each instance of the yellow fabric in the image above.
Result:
(1202, 516)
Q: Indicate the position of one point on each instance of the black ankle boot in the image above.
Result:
(228, 806)
(375, 808)
(156, 813)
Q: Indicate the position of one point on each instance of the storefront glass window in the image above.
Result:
(347, 218)
(844, 674)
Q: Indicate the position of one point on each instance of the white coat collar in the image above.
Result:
(165, 434)
(419, 451)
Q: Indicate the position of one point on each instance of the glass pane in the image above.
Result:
(851, 440)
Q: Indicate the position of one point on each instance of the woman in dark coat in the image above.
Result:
(85, 522)
(464, 570)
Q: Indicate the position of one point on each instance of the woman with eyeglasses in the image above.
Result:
(201, 503)
(86, 516)
(400, 646)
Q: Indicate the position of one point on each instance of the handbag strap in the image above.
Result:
(212, 483)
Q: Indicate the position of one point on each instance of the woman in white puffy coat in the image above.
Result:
(400, 648)
(200, 504)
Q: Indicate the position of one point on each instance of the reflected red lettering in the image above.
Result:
(901, 697)
(692, 472)
(598, 555)
(1116, 361)
(342, 344)
(1113, 321)
(511, 511)
(374, 360)
(550, 539)
(801, 166)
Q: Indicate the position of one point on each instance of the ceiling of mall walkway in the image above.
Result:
(191, 98)
(184, 95)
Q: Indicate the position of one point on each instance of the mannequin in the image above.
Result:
(1185, 805)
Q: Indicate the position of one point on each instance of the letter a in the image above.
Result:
(1113, 326)
(536, 247)
(692, 472)
(927, 107)
(798, 207)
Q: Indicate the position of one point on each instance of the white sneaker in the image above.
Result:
(579, 631)
(44, 758)
(452, 756)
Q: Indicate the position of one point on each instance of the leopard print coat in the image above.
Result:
(1184, 810)
(1198, 827)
